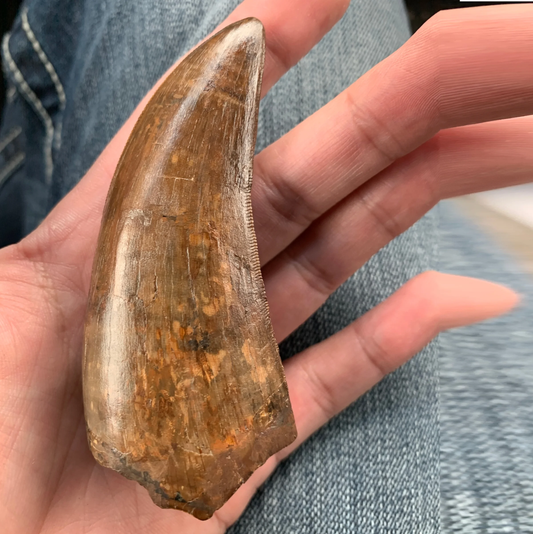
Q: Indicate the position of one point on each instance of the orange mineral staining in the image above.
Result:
(184, 390)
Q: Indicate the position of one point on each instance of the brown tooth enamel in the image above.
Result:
(183, 386)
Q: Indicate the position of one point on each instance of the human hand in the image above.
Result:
(392, 163)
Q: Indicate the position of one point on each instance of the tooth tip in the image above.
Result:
(249, 27)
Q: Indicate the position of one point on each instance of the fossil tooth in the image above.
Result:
(184, 390)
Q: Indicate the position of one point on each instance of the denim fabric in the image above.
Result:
(486, 396)
(79, 69)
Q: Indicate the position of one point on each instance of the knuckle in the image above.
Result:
(322, 393)
(280, 54)
(285, 200)
(315, 275)
(387, 224)
(373, 131)
(376, 355)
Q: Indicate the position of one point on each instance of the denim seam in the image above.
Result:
(10, 94)
(10, 136)
(49, 68)
(35, 103)
(15, 162)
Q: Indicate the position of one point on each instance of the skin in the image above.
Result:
(392, 163)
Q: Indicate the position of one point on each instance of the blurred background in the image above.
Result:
(506, 214)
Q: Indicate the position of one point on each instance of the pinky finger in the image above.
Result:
(326, 378)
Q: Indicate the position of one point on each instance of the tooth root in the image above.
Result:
(184, 390)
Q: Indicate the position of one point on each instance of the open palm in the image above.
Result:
(392, 163)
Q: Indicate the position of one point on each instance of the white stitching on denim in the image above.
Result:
(11, 135)
(43, 57)
(57, 136)
(49, 68)
(32, 99)
(11, 167)
(10, 94)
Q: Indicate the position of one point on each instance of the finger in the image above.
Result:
(291, 29)
(464, 66)
(480, 157)
(70, 232)
(328, 377)
(455, 161)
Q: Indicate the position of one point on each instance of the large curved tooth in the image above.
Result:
(184, 390)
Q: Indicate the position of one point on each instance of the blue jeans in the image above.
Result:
(79, 69)
(75, 72)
